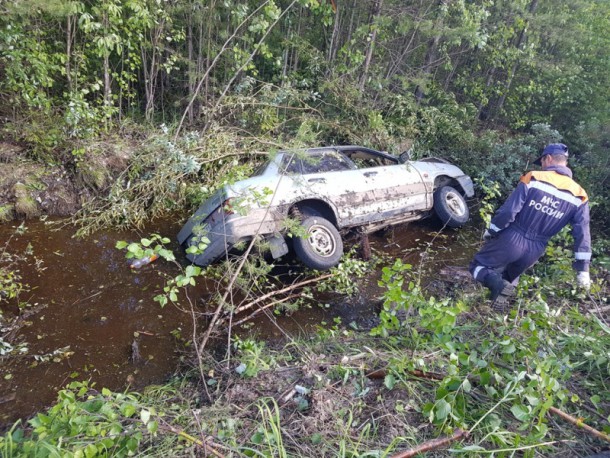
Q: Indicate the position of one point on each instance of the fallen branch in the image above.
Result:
(580, 424)
(381, 373)
(264, 307)
(281, 291)
(204, 445)
(434, 444)
(600, 309)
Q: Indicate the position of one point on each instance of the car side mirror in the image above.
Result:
(405, 156)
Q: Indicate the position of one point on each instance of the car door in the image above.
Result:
(328, 175)
(398, 188)
(401, 188)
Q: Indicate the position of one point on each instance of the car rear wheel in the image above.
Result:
(322, 247)
(450, 207)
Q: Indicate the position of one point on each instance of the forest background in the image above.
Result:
(482, 83)
(145, 107)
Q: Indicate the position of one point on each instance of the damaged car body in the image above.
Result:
(328, 190)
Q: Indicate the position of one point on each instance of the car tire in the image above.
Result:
(322, 248)
(450, 207)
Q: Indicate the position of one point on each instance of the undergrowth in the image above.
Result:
(429, 368)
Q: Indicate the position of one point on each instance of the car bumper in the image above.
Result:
(224, 235)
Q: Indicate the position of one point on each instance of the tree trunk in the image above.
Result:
(69, 51)
(334, 39)
(395, 66)
(432, 52)
(153, 70)
(106, 64)
(513, 71)
(371, 45)
(191, 65)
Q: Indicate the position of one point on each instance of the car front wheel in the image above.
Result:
(322, 247)
(450, 207)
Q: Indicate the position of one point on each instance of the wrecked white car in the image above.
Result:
(329, 190)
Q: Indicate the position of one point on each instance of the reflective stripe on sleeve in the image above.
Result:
(582, 256)
(552, 190)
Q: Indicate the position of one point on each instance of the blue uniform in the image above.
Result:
(541, 205)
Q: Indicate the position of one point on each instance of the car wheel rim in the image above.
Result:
(322, 241)
(455, 203)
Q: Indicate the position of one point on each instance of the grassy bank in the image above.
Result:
(430, 367)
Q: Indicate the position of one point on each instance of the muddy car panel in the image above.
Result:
(359, 186)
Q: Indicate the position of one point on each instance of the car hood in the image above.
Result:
(436, 166)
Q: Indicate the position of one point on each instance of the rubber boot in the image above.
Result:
(503, 302)
(495, 283)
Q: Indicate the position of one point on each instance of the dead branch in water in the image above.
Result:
(269, 295)
(264, 307)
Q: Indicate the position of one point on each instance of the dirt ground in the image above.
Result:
(30, 189)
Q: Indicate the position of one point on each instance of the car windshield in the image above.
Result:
(365, 159)
(315, 162)
(260, 169)
(326, 161)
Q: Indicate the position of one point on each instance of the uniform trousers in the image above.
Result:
(509, 254)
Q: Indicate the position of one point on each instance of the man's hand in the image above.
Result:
(583, 280)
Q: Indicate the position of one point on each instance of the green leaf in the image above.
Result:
(145, 415)
(129, 410)
(257, 438)
(166, 254)
(192, 271)
(90, 451)
(316, 438)
(152, 427)
(520, 412)
(602, 325)
(302, 404)
(145, 242)
(134, 248)
(120, 244)
(132, 444)
(389, 381)
(466, 386)
(161, 299)
(442, 409)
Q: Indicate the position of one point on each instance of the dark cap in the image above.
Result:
(553, 149)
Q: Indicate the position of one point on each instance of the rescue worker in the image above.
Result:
(541, 205)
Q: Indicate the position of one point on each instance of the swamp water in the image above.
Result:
(90, 317)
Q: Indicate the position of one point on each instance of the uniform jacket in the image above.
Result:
(542, 204)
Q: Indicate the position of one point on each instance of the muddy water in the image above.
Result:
(84, 296)
(86, 301)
